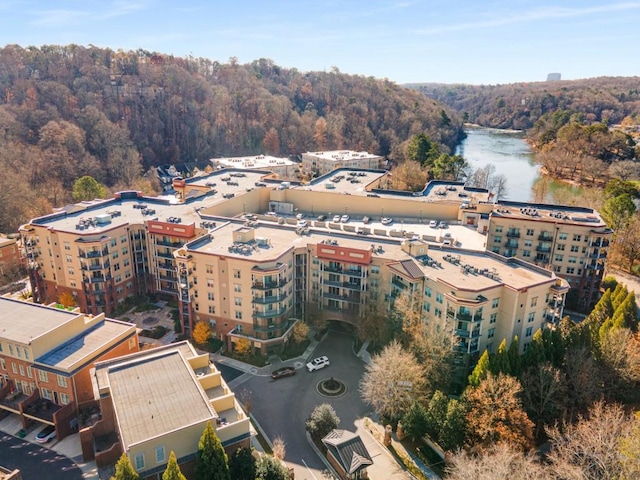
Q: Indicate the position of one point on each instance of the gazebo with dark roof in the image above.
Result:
(348, 454)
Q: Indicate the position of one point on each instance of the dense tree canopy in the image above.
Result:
(69, 111)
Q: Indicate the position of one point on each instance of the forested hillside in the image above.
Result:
(520, 105)
(69, 111)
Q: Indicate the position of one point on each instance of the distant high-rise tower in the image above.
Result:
(554, 77)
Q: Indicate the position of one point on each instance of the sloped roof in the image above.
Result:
(408, 268)
(348, 449)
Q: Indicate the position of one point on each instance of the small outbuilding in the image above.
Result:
(347, 454)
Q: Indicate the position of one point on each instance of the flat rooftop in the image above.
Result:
(87, 346)
(342, 155)
(549, 213)
(23, 322)
(156, 394)
(275, 240)
(262, 162)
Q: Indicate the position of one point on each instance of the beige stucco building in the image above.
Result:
(160, 400)
(282, 167)
(322, 163)
(232, 250)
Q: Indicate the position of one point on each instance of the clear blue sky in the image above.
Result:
(470, 41)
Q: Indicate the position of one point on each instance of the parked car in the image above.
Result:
(283, 372)
(318, 363)
(336, 219)
(344, 218)
(433, 224)
(442, 225)
(366, 219)
(302, 224)
(386, 220)
(47, 434)
(322, 218)
(300, 216)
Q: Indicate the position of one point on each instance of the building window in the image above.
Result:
(495, 302)
(69, 258)
(427, 292)
(375, 269)
(499, 229)
(139, 461)
(574, 248)
(29, 372)
(237, 288)
(493, 318)
(11, 349)
(571, 270)
(64, 398)
(43, 376)
(237, 301)
(210, 296)
(560, 247)
(3, 365)
(209, 282)
(236, 274)
(530, 231)
(239, 328)
(67, 246)
(562, 236)
(531, 317)
(526, 253)
(573, 259)
(208, 268)
(534, 301)
(497, 239)
(238, 315)
(160, 458)
(528, 332)
(558, 258)
(437, 312)
(123, 239)
(21, 370)
(577, 238)
(212, 309)
(528, 243)
(46, 393)
(62, 381)
(491, 332)
(439, 297)
(14, 368)
(427, 307)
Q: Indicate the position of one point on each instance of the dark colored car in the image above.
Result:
(322, 218)
(47, 434)
(283, 372)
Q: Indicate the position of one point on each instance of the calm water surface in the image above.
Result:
(509, 154)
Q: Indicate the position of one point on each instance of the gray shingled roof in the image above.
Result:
(408, 268)
(348, 449)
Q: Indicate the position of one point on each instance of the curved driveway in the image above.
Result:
(36, 462)
(282, 406)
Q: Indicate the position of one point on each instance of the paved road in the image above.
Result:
(36, 462)
(282, 406)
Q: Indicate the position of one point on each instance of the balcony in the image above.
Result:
(468, 334)
(599, 254)
(541, 248)
(95, 266)
(545, 237)
(165, 255)
(513, 233)
(352, 286)
(274, 327)
(281, 282)
(510, 253)
(511, 244)
(396, 282)
(94, 253)
(166, 266)
(165, 243)
(270, 313)
(96, 278)
(332, 269)
(353, 272)
(269, 299)
(167, 278)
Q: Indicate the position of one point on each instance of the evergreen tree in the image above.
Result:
(414, 421)
(481, 370)
(453, 431)
(618, 296)
(514, 359)
(124, 469)
(499, 363)
(172, 471)
(270, 468)
(211, 462)
(242, 465)
(536, 353)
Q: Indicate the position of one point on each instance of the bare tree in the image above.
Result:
(544, 391)
(392, 381)
(500, 462)
(590, 448)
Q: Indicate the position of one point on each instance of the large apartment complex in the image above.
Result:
(251, 256)
(46, 355)
(322, 163)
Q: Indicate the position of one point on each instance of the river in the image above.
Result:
(509, 153)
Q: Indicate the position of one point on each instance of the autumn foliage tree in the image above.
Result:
(495, 414)
(201, 332)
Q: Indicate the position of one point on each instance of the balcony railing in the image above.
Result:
(468, 334)
(513, 233)
(167, 278)
(511, 244)
(165, 255)
(269, 313)
(353, 272)
(541, 248)
(269, 299)
(545, 237)
(165, 243)
(274, 327)
(399, 283)
(94, 253)
(96, 266)
(270, 284)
